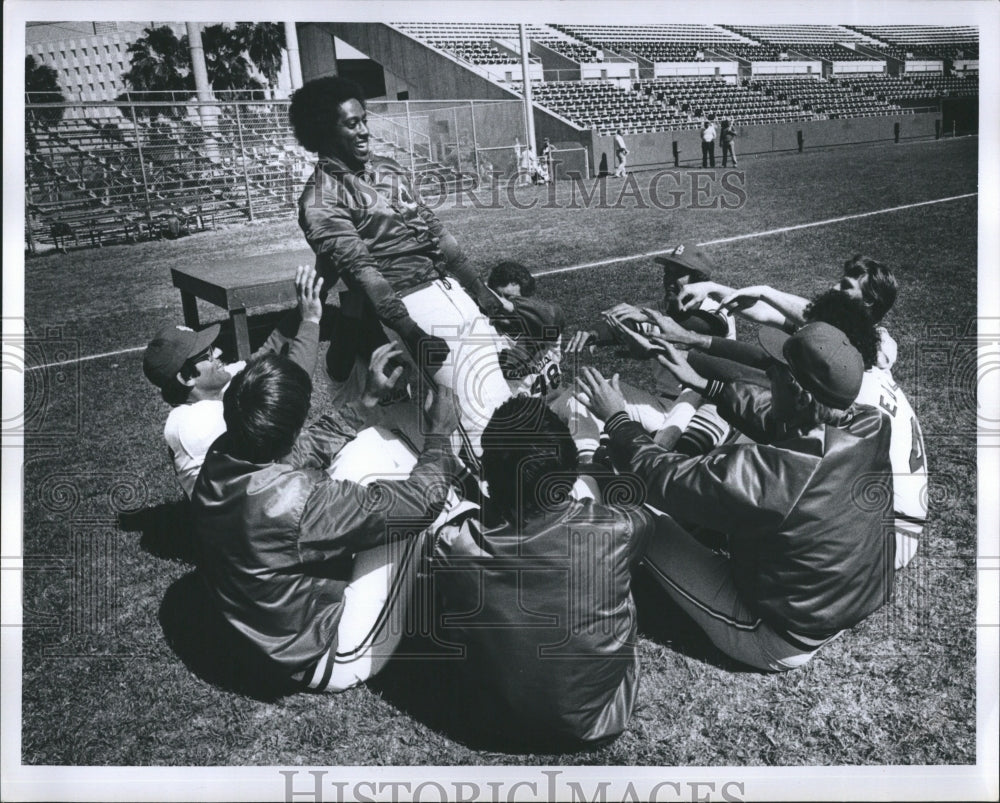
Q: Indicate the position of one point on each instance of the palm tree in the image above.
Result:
(41, 85)
(263, 43)
(159, 62)
(225, 60)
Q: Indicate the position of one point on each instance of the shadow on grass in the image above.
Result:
(663, 621)
(211, 649)
(166, 530)
(440, 691)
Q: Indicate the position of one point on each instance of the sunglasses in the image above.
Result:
(202, 356)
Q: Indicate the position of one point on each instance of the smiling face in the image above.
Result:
(349, 139)
(206, 375)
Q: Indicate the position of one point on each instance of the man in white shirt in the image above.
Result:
(620, 153)
(708, 145)
(186, 366)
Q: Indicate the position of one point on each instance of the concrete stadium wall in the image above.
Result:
(647, 151)
(427, 74)
(791, 69)
(551, 126)
(699, 69)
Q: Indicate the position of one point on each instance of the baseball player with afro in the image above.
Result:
(370, 228)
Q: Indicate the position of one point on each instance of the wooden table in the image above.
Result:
(240, 283)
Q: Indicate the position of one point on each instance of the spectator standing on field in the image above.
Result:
(620, 153)
(546, 162)
(728, 137)
(708, 135)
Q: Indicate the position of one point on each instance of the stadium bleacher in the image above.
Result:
(108, 177)
(925, 87)
(925, 41)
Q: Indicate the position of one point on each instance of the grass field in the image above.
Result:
(122, 664)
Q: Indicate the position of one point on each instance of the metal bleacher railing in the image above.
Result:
(104, 172)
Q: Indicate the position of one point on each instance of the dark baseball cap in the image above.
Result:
(171, 348)
(821, 359)
(684, 259)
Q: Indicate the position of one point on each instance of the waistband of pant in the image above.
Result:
(423, 286)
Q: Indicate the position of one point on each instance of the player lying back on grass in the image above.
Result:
(186, 366)
(864, 278)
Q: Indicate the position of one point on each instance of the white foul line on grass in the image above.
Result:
(782, 230)
(84, 359)
(614, 260)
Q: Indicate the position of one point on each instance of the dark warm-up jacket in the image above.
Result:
(276, 541)
(371, 229)
(808, 515)
(544, 613)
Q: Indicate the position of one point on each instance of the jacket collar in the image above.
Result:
(335, 166)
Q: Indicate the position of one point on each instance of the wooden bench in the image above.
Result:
(238, 284)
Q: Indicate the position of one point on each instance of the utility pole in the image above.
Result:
(294, 63)
(529, 116)
(207, 112)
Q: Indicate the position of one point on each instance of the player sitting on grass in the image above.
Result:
(280, 540)
(542, 602)
(185, 365)
(809, 555)
(531, 330)
(864, 278)
(670, 410)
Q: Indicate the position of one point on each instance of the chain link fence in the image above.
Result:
(159, 166)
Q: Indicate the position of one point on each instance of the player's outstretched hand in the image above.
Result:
(638, 344)
(887, 350)
(692, 295)
(581, 341)
(506, 305)
(601, 397)
(307, 289)
(380, 380)
(669, 328)
(677, 363)
(745, 298)
(442, 414)
(625, 312)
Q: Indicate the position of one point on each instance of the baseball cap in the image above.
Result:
(171, 348)
(821, 359)
(685, 258)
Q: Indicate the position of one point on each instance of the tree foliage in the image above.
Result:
(225, 60)
(234, 58)
(263, 43)
(159, 62)
(41, 85)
